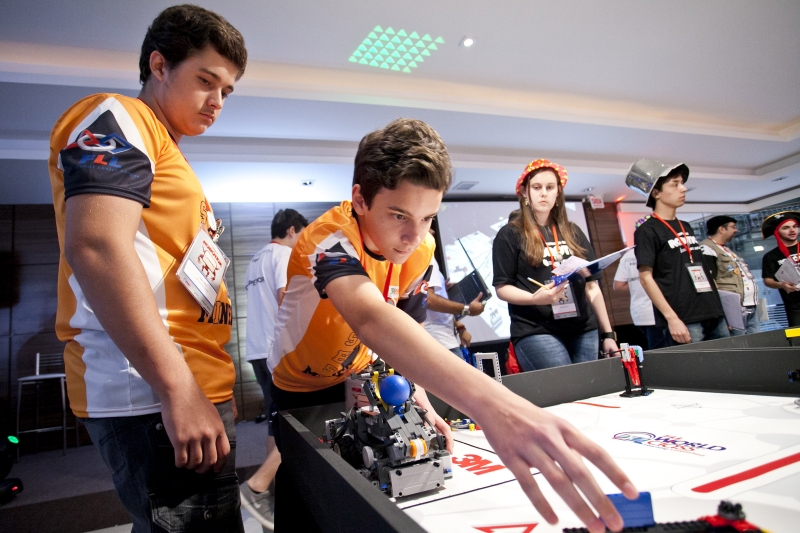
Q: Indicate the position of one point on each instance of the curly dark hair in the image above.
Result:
(180, 31)
(406, 149)
(285, 219)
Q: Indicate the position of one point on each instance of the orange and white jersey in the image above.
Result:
(114, 145)
(314, 347)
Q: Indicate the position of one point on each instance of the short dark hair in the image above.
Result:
(285, 219)
(714, 223)
(677, 171)
(180, 31)
(406, 149)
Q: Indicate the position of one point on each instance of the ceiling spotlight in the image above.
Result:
(308, 182)
(588, 189)
(780, 178)
(466, 42)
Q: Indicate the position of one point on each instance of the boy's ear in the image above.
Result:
(359, 203)
(158, 65)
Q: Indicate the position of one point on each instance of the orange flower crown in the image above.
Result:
(543, 163)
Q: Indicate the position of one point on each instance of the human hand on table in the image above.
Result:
(525, 436)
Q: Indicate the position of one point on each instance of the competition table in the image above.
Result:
(721, 424)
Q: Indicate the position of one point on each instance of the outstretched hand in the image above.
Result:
(525, 436)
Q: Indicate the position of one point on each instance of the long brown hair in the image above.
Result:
(532, 244)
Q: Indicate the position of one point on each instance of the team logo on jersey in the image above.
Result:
(667, 442)
(95, 142)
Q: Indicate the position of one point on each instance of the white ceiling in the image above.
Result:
(591, 85)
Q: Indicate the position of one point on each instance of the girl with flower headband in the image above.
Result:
(550, 325)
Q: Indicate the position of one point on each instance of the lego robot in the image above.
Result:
(388, 440)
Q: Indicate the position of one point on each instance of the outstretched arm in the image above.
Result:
(523, 435)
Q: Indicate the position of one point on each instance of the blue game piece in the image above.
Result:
(394, 390)
(635, 513)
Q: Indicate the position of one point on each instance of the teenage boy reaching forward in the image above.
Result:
(146, 367)
(357, 279)
(672, 267)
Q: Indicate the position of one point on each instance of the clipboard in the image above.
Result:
(470, 285)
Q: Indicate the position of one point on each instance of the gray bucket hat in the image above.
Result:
(644, 174)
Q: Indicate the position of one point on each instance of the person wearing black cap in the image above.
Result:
(732, 273)
(784, 226)
(672, 267)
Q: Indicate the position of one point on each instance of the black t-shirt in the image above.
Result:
(511, 268)
(658, 248)
(770, 264)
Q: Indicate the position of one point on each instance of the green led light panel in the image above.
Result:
(394, 50)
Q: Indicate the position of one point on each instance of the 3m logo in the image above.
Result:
(476, 464)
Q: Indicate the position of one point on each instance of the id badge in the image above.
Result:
(565, 306)
(203, 269)
(698, 276)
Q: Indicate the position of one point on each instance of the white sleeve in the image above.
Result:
(623, 272)
(281, 266)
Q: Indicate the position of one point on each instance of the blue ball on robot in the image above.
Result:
(394, 390)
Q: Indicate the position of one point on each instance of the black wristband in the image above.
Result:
(609, 335)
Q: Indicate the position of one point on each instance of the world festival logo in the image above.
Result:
(667, 442)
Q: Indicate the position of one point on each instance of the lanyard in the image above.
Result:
(683, 243)
(388, 274)
(544, 242)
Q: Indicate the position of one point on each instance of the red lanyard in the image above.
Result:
(388, 274)
(683, 243)
(544, 242)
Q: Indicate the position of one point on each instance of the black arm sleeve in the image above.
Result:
(505, 251)
(334, 263)
(101, 161)
(645, 250)
(416, 305)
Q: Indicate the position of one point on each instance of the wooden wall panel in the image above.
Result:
(35, 235)
(606, 238)
(251, 227)
(38, 290)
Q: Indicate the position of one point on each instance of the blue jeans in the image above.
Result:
(751, 323)
(160, 497)
(707, 330)
(536, 352)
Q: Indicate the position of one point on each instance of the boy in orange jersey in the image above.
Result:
(146, 368)
(357, 284)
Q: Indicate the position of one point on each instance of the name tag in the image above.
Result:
(698, 276)
(565, 306)
(203, 269)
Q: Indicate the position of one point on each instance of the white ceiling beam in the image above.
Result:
(38, 63)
